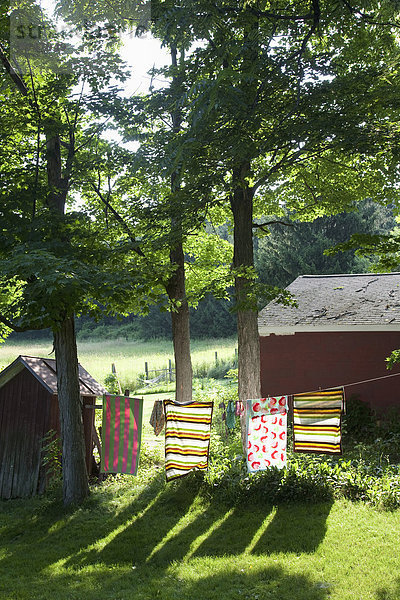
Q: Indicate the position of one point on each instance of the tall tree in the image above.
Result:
(55, 262)
(286, 109)
(287, 104)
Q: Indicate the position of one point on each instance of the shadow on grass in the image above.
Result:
(96, 550)
(167, 532)
(133, 542)
(57, 533)
(149, 583)
(300, 529)
(249, 528)
(392, 594)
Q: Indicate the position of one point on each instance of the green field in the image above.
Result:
(128, 356)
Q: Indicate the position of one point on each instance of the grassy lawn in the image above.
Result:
(142, 539)
(128, 356)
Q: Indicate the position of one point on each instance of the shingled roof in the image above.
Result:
(364, 302)
(44, 369)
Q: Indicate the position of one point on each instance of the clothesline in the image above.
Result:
(346, 384)
(99, 406)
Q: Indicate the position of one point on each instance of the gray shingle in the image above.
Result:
(333, 301)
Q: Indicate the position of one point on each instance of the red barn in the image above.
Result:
(341, 332)
(28, 411)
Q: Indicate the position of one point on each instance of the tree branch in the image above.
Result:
(369, 18)
(125, 226)
(16, 328)
(16, 77)
(263, 225)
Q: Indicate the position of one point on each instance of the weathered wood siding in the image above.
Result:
(27, 413)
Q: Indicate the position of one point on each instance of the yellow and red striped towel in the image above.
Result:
(187, 437)
(317, 419)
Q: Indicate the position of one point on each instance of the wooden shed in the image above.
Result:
(341, 332)
(28, 411)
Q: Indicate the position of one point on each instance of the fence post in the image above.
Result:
(113, 369)
(216, 357)
(235, 352)
(170, 369)
(146, 370)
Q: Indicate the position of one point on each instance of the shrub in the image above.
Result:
(359, 420)
(369, 472)
(111, 383)
(51, 457)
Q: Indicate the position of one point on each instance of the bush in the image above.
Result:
(359, 421)
(221, 368)
(369, 472)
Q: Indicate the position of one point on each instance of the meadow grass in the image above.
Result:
(139, 538)
(129, 356)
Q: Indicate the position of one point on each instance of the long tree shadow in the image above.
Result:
(302, 533)
(167, 532)
(250, 528)
(132, 541)
(235, 533)
(58, 533)
(185, 542)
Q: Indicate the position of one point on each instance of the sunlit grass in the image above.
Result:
(140, 538)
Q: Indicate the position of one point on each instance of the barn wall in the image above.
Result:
(309, 361)
(27, 413)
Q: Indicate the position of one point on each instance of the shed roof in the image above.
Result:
(44, 369)
(365, 301)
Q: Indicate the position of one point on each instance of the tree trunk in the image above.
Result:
(180, 327)
(75, 479)
(247, 314)
(55, 198)
(176, 288)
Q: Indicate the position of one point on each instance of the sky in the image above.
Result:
(141, 54)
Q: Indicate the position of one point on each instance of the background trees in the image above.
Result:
(284, 115)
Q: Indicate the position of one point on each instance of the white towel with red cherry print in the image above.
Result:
(266, 433)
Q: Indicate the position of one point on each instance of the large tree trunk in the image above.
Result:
(75, 479)
(180, 327)
(243, 258)
(176, 288)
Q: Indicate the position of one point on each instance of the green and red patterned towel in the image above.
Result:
(317, 421)
(121, 434)
(187, 437)
(266, 420)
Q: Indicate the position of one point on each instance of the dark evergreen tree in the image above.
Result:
(299, 248)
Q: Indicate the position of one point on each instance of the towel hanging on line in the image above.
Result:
(317, 420)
